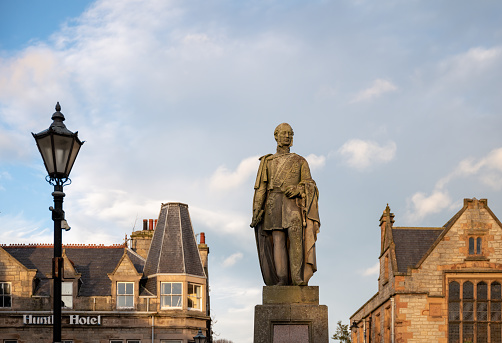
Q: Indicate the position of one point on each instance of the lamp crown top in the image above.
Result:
(58, 116)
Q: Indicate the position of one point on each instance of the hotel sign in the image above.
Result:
(75, 319)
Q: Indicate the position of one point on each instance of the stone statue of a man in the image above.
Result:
(285, 214)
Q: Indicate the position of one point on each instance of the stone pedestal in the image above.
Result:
(291, 314)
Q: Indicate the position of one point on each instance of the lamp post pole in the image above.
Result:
(59, 148)
(57, 262)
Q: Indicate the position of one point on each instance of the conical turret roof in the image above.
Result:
(174, 248)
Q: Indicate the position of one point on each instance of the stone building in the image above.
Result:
(437, 284)
(154, 291)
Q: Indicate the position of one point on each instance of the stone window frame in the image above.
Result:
(475, 245)
(67, 296)
(4, 295)
(125, 295)
(470, 308)
(198, 298)
(165, 295)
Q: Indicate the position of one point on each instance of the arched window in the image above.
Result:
(482, 312)
(474, 312)
(454, 311)
(471, 245)
(478, 246)
(495, 312)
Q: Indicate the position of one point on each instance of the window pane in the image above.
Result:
(495, 311)
(468, 310)
(482, 291)
(478, 246)
(176, 301)
(120, 301)
(177, 288)
(453, 333)
(66, 288)
(471, 246)
(468, 332)
(67, 301)
(482, 333)
(495, 332)
(495, 290)
(454, 311)
(129, 301)
(454, 291)
(129, 288)
(166, 288)
(482, 311)
(468, 290)
(166, 301)
(120, 288)
(6, 301)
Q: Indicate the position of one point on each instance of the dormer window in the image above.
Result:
(67, 295)
(5, 294)
(125, 294)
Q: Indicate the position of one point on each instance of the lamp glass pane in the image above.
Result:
(73, 155)
(62, 147)
(45, 147)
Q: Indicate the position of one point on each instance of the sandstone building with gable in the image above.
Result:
(437, 284)
(154, 289)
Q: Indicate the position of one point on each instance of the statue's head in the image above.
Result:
(283, 134)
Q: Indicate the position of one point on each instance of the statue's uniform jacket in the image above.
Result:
(298, 216)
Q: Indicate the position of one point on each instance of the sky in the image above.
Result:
(392, 102)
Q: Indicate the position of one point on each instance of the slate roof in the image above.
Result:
(174, 248)
(411, 244)
(93, 262)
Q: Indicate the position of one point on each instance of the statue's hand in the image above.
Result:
(292, 191)
(257, 217)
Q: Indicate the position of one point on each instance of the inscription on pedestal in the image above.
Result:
(291, 333)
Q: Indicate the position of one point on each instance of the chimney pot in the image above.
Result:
(145, 224)
(202, 238)
(155, 224)
(151, 223)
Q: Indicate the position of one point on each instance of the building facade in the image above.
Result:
(437, 284)
(154, 288)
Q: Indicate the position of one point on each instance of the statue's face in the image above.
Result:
(284, 136)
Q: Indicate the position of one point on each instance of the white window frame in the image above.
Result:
(165, 295)
(67, 293)
(194, 296)
(125, 295)
(5, 295)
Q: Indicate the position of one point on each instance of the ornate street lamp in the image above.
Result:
(200, 338)
(59, 148)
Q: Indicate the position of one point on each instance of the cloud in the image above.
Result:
(420, 205)
(374, 270)
(378, 88)
(488, 171)
(316, 162)
(225, 179)
(360, 154)
(222, 222)
(16, 228)
(232, 259)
